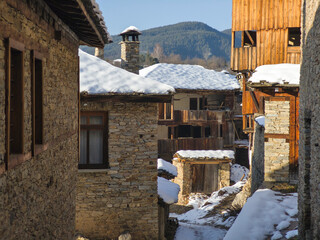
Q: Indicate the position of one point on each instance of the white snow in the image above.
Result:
(291, 234)
(277, 235)
(260, 120)
(183, 76)
(237, 172)
(131, 28)
(242, 142)
(198, 232)
(204, 206)
(216, 154)
(168, 190)
(99, 77)
(262, 214)
(166, 166)
(277, 74)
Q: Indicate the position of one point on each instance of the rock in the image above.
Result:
(241, 197)
(125, 236)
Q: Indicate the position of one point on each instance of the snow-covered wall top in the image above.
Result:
(216, 154)
(260, 120)
(277, 73)
(166, 166)
(168, 191)
(100, 77)
(182, 76)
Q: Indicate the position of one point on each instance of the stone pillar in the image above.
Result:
(130, 56)
(99, 52)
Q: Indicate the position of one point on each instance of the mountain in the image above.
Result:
(188, 39)
(237, 37)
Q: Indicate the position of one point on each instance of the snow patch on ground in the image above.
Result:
(166, 166)
(237, 172)
(194, 232)
(264, 213)
(168, 190)
(291, 234)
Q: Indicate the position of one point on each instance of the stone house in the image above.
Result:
(201, 114)
(117, 177)
(202, 171)
(309, 155)
(39, 100)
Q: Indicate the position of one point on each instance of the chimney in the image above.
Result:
(99, 52)
(130, 49)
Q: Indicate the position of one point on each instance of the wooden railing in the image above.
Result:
(187, 116)
(244, 58)
(168, 147)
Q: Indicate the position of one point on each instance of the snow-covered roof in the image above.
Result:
(100, 77)
(216, 154)
(166, 166)
(191, 77)
(288, 74)
(130, 29)
(168, 191)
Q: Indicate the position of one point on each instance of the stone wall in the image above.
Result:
(277, 120)
(37, 195)
(123, 197)
(309, 150)
(185, 177)
(130, 56)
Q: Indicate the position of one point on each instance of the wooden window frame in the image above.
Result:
(17, 46)
(89, 127)
(36, 142)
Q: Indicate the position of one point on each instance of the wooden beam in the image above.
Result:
(255, 101)
(250, 38)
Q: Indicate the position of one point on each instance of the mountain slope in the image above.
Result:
(188, 39)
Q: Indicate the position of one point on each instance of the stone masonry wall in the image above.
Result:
(309, 112)
(37, 197)
(276, 166)
(130, 56)
(184, 178)
(123, 197)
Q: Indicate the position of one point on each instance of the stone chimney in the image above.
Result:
(130, 49)
(99, 52)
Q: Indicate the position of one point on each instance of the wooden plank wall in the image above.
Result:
(265, 14)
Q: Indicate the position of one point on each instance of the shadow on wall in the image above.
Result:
(309, 150)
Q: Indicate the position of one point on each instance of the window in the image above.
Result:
(37, 100)
(249, 38)
(294, 37)
(207, 132)
(193, 103)
(93, 140)
(220, 130)
(14, 98)
(203, 103)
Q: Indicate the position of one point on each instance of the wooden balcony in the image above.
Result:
(189, 116)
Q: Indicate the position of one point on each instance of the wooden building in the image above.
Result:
(201, 113)
(39, 113)
(117, 178)
(270, 34)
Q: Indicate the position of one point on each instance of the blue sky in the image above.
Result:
(145, 14)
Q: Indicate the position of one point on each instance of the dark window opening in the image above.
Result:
(168, 110)
(93, 140)
(207, 132)
(16, 102)
(184, 131)
(193, 103)
(294, 37)
(196, 132)
(203, 103)
(220, 130)
(38, 102)
(237, 39)
(249, 38)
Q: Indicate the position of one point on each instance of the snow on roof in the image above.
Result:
(129, 29)
(183, 76)
(264, 214)
(277, 74)
(100, 77)
(216, 154)
(166, 166)
(260, 120)
(168, 191)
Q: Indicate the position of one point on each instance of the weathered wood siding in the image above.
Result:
(265, 14)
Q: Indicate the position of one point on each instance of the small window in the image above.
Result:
(16, 101)
(207, 132)
(203, 103)
(294, 37)
(93, 140)
(168, 110)
(193, 103)
(249, 38)
(220, 130)
(184, 131)
(196, 132)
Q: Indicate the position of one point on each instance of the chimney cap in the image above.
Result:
(132, 30)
